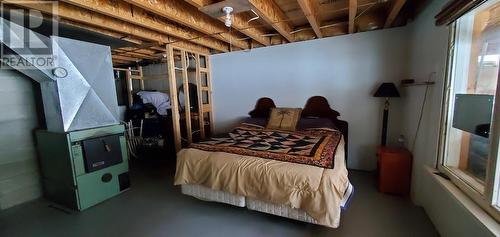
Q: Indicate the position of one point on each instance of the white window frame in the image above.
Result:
(487, 196)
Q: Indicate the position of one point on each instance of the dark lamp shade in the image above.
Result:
(387, 90)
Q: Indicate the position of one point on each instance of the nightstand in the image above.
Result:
(394, 170)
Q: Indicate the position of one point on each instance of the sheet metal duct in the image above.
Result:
(85, 97)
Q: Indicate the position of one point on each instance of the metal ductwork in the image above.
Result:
(78, 91)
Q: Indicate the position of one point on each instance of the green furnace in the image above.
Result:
(83, 168)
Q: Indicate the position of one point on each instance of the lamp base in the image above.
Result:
(384, 122)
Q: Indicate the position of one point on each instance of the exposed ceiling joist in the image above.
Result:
(343, 5)
(125, 58)
(398, 4)
(309, 7)
(120, 62)
(105, 32)
(132, 53)
(273, 15)
(95, 20)
(353, 11)
(182, 13)
(240, 23)
(200, 3)
(143, 51)
(125, 12)
(150, 25)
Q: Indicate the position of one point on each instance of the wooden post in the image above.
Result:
(173, 97)
(200, 100)
(187, 103)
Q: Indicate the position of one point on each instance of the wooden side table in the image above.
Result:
(394, 170)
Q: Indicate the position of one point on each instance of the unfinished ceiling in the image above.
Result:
(148, 25)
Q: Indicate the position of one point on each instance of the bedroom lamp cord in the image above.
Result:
(421, 111)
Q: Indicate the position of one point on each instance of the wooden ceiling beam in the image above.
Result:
(184, 14)
(120, 62)
(133, 15)
(131, 54)
(94, 20)
(274, 16)
(343, 5)
(125, 58)
(200, 3)
(309, 7)
(396, 8)
(353, 11)
(105, 32)
(143, 51)
(240, 23)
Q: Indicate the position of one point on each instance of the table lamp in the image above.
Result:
(387, 90)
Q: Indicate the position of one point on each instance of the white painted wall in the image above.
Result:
(428, 51)
(345, 69)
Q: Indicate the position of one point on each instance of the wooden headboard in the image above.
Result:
(262, 108)
(316, 106)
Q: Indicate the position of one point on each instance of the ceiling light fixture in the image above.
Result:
(228, 21)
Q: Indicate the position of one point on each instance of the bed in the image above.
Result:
(312, 187)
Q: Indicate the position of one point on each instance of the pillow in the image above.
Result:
(306, 123)
(284, 119)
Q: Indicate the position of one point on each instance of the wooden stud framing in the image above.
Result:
(187, 102)
(309, 7)
(353, 11)
(129, 77)
(273, 15)
(398, 4)
(129, 88)
(200, 100)
(182, 13)
(203, 108)
(210, 105)
(173, 97)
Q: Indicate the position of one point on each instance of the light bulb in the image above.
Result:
(228, 21)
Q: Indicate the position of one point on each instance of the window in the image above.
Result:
(470, 125)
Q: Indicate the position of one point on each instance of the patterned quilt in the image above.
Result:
(311, 146)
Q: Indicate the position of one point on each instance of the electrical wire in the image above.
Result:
(422, 110)
(254, 18)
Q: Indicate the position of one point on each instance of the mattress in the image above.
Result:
(279, 210)
(207, 194)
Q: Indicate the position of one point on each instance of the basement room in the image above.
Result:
(296, 118)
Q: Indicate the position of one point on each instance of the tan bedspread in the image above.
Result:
(317, 191)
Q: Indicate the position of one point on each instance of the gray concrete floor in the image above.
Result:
(154, 207)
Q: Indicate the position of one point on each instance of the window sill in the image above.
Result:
(481, 216)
